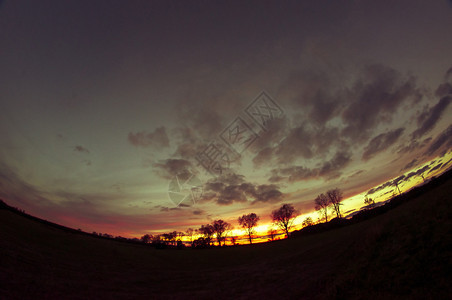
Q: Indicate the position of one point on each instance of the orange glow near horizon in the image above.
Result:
(353, 203)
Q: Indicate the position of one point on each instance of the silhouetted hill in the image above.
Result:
(360, 216)
(404, 253)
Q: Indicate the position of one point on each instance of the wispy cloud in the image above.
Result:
(381, 142)
(158, 138)
(81, 149)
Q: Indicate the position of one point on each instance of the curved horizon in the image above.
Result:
(144, 119)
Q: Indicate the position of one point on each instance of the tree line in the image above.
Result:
(218, 232)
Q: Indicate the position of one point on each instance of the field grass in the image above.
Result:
(405, 253)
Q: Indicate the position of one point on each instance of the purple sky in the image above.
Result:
(105, 102)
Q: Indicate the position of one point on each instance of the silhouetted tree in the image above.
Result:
(369, 201)
(158, 241)
(146, 238)
(284, 217)
(307, 222)
(335, 198)
(190, 232)
(422, 175)
(321, 204)
(248, 222)
(220, 228)
(180, 245)
(207, 231)
(396, 182)
(272, 234)
(170, 238)
(200, 243)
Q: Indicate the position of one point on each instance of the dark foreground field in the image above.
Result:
(404, 253)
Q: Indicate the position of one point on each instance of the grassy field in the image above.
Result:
(404, 253)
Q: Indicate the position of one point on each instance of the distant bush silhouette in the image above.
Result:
(201, 243)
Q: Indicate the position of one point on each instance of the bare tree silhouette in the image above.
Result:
(307, 222)
(190, 232)
(284, 217)
(396, 182)
(170, 238)
(369, 202)
(335, 198)
(248, 222)
(146, 238)
(220, 227)
(272, 234)
(321, 204)
(207, 231)
(422, 175)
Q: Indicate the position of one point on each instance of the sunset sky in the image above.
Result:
(104, 102)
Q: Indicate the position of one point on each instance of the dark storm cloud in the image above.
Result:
(356, 173)
(158, 138)
(230, 194)
(374, 98)
(231, 188)
(444, 89)
(448, 75)
(419, 172)
(202, 113)
(370, 100)
(268, 193)
(263, 156)
(81, 149)
(410, 165)
(442, 142)
(438, 166)
(413, 145)
(198, 212)
(293, 174)
(188, 142)
(167, 209)
(379, 188)
(428, 119)
(169, 168)
(298, 143)
(264, 146)
(447, 163)
(381, 142)
(328, 170)
(390, 183)
(302, 142)
(315, 92)
(333, 168)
